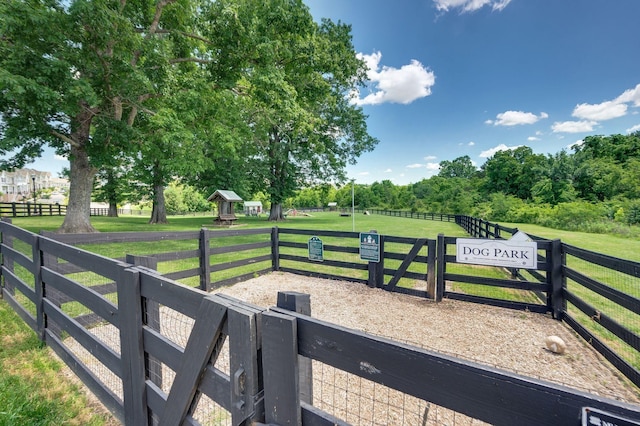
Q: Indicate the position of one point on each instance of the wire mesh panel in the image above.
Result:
(604, 297)
(362, 402)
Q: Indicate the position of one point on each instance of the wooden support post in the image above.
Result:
(131, 347)
(300, 303)
(244, 343)
(150, 317)
(275, 249)
(555, 274)
(41, 321)
(205, 262)
(280, 367)
(431, 269)
(441, 268)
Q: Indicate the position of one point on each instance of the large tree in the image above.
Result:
(77, 75)
(300, 73)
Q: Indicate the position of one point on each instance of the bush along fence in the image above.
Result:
(158, 352)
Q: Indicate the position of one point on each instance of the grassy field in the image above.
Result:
(31, 388)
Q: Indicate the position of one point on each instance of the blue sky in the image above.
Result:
(468, 77)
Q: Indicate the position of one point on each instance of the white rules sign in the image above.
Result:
(507, 253)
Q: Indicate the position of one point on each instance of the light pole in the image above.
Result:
(33, 180)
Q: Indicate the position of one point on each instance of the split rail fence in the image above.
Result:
(236, 363)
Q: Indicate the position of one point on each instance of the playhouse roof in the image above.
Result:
(253, 203)
(224, 195)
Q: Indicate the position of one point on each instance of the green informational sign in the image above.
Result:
(370, 246)
(316, 249)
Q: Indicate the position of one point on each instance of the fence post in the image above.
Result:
(41, 321)
(150, 317)
(275, 249)
(431, 268)
(7, 241)
(131, 347)
(442, 252)
(205, 263)
(300, 303)
(556, 274)
(280, 369)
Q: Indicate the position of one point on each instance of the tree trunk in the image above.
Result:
(81, 175)
(275, 214)
(159, 211)
(113, 209)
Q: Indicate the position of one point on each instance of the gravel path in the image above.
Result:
(503, 338)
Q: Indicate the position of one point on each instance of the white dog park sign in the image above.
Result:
(518, 252)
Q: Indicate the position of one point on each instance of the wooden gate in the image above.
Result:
(219, 318)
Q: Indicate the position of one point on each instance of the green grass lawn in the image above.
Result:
(32, 389)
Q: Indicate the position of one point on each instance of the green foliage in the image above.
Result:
(304, 130)
(180, 199)
(461, 167)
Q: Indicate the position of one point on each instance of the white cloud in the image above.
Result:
(364, 174)
(471, 143)
(598, 112)
(502, 147)
(533, 138)
(433, 166)
(631, 95)
(415, 166)
(396, 85)
(469, 5)
(514, 118)
(573, 126)
(634, 128)
(430, 157)
(579, 142)
(388, 171)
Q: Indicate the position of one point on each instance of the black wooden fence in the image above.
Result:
(597, 295)
(31, 209)
(205, 264)
(250, 363)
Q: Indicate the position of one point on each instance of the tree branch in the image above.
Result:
(65, 138)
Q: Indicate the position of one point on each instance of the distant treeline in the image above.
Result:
(596, 188)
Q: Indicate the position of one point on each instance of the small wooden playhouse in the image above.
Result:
(225, 199)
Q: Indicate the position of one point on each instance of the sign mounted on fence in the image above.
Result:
(316, 249)
(516, 253)
(594, 417)
(370, 246)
